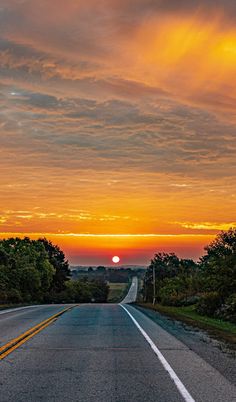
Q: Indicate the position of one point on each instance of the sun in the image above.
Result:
(116, 259)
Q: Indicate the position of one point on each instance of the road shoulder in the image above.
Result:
(203, 380)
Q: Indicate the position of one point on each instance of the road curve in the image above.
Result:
(96, 353)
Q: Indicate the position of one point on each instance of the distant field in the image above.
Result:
(117, 292)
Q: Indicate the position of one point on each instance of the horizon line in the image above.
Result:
(108, 234)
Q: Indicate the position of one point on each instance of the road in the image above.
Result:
(132, 293)
(97, 352)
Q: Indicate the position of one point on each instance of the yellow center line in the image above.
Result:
(17, 342)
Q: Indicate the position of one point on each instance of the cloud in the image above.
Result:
(122, 49)
(121, 109)
(161, 136)
(207, 225)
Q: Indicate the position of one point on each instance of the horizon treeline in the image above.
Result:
(209, 284)
(37, 271)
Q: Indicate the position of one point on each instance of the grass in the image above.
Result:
(219, 328)
(117, 292)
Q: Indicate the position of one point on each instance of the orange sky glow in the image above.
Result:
(118, 125)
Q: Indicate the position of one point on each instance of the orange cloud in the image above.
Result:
(187, 56)
(118, 118)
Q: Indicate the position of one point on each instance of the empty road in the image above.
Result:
(102, 352)
(132, 293)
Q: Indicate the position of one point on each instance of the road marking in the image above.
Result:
(183, 391)
(11, 310)
(15, 343)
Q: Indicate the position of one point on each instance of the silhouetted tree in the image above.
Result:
(219, 264)
(58, 261)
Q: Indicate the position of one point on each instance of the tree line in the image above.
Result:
(37, 271)
(209, 284)
(116, 274)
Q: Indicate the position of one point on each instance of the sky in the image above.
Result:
(118, 125)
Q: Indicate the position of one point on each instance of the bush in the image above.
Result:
(228, 310)
(179, 300)
(191, 300)
(3, 296)
(14, 296)
(209, 304)
(172, 300)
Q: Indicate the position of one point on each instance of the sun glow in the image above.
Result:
(116, 259)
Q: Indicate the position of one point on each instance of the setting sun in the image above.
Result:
(116, 259)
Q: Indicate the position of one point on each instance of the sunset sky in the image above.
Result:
(118, 125)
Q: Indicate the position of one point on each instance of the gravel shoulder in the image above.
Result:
(217, 353)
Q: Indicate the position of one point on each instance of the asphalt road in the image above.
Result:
(15, 321)
(97, 353)
(132, 293)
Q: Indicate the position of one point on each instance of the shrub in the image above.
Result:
(209, 304)
(172, 300)
(14, 296)
(3, 296)
(228, 310)
(191, 300)
(179, 300)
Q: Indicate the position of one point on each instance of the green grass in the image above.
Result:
(220, 328)
(117, 292)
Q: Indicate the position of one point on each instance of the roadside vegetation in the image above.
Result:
(204, 289)
(117, 291)
(112, 275)
(117, 278)
(36, 271)
(221, 329)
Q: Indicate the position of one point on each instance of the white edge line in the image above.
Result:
(11, 310)
(183, 391)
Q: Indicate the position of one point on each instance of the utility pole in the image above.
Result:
(154, 284)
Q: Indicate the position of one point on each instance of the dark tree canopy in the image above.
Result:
(25, 269)
(37, 271)
(58, 261)
(209, 284)
(219, 264)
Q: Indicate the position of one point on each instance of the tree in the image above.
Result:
(58, 261)
(36, 270)
(90, 270)
(224, 245)
(25, 270)
(174, 278)
(219, 264)
(85, 291)
(4, 280)
(100, 291)
(101, 269)
(163, 265)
